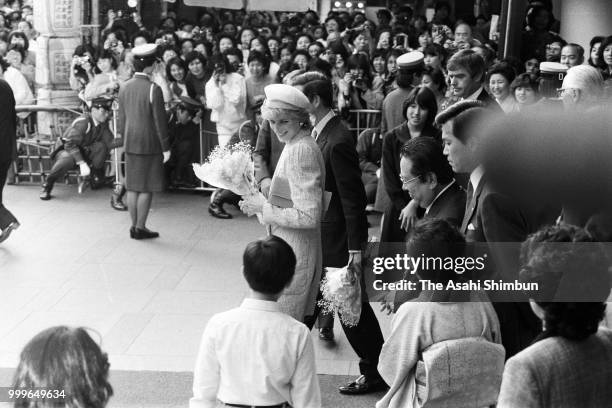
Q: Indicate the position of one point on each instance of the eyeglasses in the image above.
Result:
(405, 181)
(563, 91)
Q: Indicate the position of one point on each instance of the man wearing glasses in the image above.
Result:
(86, 143)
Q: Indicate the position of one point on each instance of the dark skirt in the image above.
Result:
(144, 173)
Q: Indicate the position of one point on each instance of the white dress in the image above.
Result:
(302, 169)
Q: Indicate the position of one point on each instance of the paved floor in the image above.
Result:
(72, 262)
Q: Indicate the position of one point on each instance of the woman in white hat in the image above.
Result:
(294, 206)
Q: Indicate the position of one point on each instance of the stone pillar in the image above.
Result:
(59, 23)
(581, 20)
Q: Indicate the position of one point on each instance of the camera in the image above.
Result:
(359, 83)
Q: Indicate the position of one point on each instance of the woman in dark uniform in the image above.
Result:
(142, 122)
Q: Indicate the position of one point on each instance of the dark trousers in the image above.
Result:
(183, 154)
(95, 155)
(6, 217)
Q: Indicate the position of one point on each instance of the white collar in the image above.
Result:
(257, 304)
(476, 176)
(439, 194)
(323, 122)
(475, 95)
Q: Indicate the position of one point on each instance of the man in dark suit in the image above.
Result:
(344, 227)
(429, 179)
(8, 152)
(491, 217)
(466, 73)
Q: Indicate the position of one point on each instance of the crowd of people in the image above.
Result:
(451, 114)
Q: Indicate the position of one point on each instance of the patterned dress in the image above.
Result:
(300, 178)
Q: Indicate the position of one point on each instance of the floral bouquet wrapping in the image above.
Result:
(342, 293)
(230, 168)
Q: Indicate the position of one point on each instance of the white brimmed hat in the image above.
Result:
(281, 96)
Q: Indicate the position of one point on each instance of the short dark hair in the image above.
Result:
(437, 77)
(321, 88)
(525, 81)
(107, 54)
(235, 52)
(320, 65)
(261, 57)
(465, 116)
(65, 358)
(268, 265)
(436, 237)
(504, 70)
(557, 258)
(426, 99)
(193, 55)
(142, 33)
(426, 155)
(473, 63)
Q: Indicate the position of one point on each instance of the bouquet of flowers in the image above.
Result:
(229, 167)
(342, 293)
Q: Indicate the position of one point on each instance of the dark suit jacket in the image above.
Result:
(450, 206)
(345, 225)
(267, 152)
(8, 124)
(141, 119)
(489, 102)
(493, 217)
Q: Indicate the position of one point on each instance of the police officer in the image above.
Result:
(86, 143)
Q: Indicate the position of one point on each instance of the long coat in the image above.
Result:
(293, 212)
(345, 224)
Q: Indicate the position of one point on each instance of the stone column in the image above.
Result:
(59, 23)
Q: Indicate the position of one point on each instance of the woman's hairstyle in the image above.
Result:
(379, 53)
(268, 265)
(341, 26)
(288, 47)
(385, 30)
(107, 54)
(234, 52)
(524, 81)
(310, 39)
(65, 358)
(594, 40)
(193, 55)
(300, 52)
(338, 48)
(178, 62)
(299, 115)
(360, 61)
(605, 43)
(437, 77)
(144, 34)
(262, 58)
(219, 61)
(436, 50)
(229, 37)
(239, 36)
(566, 263)
(504, 70)
(425, 98)
(26, 42)
(436, 238)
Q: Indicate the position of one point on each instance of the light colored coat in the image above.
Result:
(560, 373)
(302, 169)
(418, 325)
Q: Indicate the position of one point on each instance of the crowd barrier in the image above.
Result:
(363, 119)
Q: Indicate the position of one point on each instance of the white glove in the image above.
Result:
(84, 168)
(166, 155)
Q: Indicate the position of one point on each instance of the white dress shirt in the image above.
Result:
(321, 125)
(475, 95)
(437, 196)
(255, 355)
(475, 177)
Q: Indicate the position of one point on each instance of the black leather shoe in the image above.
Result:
(218, 212)
(326, 333)
(143, 234)
(363, 385)
(6, 232)
(45, 193)
(132, 232)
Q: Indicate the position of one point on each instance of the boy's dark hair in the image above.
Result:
(268, 265)
(321, 88)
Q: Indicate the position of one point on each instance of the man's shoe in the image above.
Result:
(45, 193)
(218, 212)
(7, 231)
(363, 385)
(326, 333)
(143, 233)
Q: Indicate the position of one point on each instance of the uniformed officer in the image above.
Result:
(86, 143)
(142, 122)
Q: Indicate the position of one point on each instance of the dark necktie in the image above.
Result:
(470, 196)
